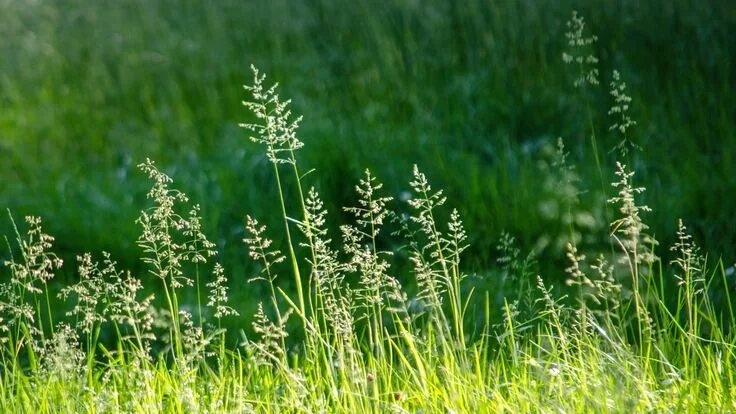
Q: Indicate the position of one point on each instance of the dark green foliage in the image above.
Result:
(473, 92)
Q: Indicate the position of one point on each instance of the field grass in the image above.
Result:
(473, 94)
(564, 299)
(366, 346)
(622, 342)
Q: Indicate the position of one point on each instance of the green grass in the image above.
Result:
(349, 318)
(471, 93)
(622, 340)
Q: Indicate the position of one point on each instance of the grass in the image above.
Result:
(620, 343)
(100, 87)
(376, 307)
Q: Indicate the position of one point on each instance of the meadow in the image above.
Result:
(266, 262)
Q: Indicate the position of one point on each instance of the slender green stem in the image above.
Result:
(292, 253)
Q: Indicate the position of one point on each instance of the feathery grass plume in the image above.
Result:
(15, 307)
(168, 238)
(404, 305)
(456, 242)
(218, 293)
(328, 272)
(372, 211)
(620, 112)
(607, 290)
(194, 339)
(62, 356)
(317, 217)
(100, 293)
(580, 51)
(124, 307)
(428, 255)
(370, 267)
(425, 203)
(199, 247)
(436, 259)
(333, 299)
(90, 292)
(359, 242)
(637, 246)
(269, 349)
(276, 128)
(430, 291)
(104, 294)
(577, 276)
(690, 276)
(689, 261)
(38, 265)
(629, 230)
(29, 277)
(259, 249)
(170, 241)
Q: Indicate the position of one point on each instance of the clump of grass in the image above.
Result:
(368, 344)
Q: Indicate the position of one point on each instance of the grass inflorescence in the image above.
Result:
(338, 331)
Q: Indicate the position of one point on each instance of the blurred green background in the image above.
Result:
(474, 91)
